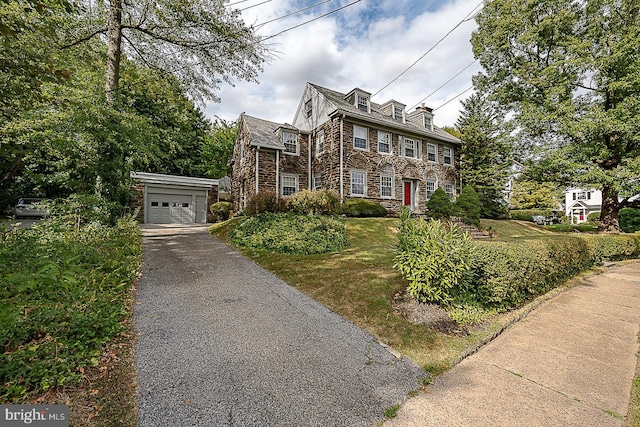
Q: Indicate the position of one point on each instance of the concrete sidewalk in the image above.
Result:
(570, 362)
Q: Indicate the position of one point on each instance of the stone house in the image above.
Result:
(350, 144)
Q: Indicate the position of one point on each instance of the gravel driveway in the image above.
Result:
(222, 342)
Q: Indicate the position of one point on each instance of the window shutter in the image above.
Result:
(419, 148)
(588, 195)
(400, 146)
(574, 196)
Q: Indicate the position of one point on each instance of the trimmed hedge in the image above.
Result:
(362, 208)
(507, 273)
(323, 202)
(291, 233)
(629, 220)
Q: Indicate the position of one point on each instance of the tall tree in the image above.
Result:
(202, 43)
(218, 148)
(486, 156)
(571, 70)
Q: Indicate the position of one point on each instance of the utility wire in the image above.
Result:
(311, 20)
(238, 2)
(469, 16)
(257, 4)
(293, 13)
(444, 84)
(457, 96)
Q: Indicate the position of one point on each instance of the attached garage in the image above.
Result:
(171, 199)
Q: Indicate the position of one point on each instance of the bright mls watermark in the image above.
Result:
(34, 415)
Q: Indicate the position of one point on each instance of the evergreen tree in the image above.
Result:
(439, 205)
(468, 206)
(486, 156)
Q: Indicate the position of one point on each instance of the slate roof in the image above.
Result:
(342, 106)
(265, 133)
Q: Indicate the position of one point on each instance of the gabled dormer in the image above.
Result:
(288, 135)
(394, 109)
(359, 99)
(422, 117)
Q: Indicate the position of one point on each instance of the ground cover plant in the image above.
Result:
(65, 293)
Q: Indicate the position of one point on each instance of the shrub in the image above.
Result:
(468, 206)
(439, 205)
(593, 217)
(291, 233)
(612, 247)
(324, 202)
(361, 208)
(265, 201)
(528, 214)
(437, 260)
(221, 210)
(629, 219)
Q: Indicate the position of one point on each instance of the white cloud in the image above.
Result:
(358, 47)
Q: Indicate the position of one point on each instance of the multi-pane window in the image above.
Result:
(289, 184)
(582, 195)
(409, 147)
(308, 108)
(427, 122)
(362, 103)
(358, 180)
(290, 141)
(360, 137)
(386, 186)
(430, 185)
(450, 189)
(320, 143)
(447, 156)
(317, 182)
(398, 112)
(432, 153)
(384, 142)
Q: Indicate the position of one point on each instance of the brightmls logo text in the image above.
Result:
(34, 415)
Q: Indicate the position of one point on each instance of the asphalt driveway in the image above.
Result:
(222, 342)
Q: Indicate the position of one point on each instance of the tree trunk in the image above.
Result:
(609, 212)
(114, 41)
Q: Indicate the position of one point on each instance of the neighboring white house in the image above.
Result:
(580, 202)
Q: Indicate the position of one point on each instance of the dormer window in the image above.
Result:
(290, 141)
(398, 113)
(428, 123)
(362, 102)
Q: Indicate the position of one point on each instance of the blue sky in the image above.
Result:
(365, 45)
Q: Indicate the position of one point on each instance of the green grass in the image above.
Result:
(359, 283)
(633, 416)
(505, 229)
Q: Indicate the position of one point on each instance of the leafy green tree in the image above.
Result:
(468, 206)
(439, 206)
(217, 149)
(570, 71)
(486, 155)
(535, 195)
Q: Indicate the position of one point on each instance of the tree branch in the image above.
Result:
(12, 170)
(84, 39)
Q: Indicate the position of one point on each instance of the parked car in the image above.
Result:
(28, 207)
(546, 220)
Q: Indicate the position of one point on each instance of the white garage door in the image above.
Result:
(172, 206)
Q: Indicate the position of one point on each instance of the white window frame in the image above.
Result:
(381, 140)
(285, 140)
(450, 189)
(445, 156)
(320, 142)
(353, 182)
(435, 152)
(366, 137)
(286, 176)
(362, 101)
(398, 109)
(317, 182)
(428, 122)
(388, 177)
(308, 108)
(428, 192)
(415, 148)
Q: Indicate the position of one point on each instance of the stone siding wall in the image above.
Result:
(137, 200)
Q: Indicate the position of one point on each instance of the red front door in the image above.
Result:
(406, 194)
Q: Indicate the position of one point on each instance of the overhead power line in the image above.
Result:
(452, 99)
(444, 84)
(292, 13)
(468, 17)
(257, 4)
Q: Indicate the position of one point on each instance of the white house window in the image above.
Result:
(398, 112)
(317, 182)
(360, 137)
(290, 141)
(320, 143)
(430, 185)
(427, 122)
(362, 102)
(582, 195)
(409, 147)
(384, 142)
(450, 189)
(447, 156)
(289, 184)
(386, 186)
(432, 153)
(308, 108)
(358, 180)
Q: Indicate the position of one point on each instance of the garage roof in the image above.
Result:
(156, 178)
